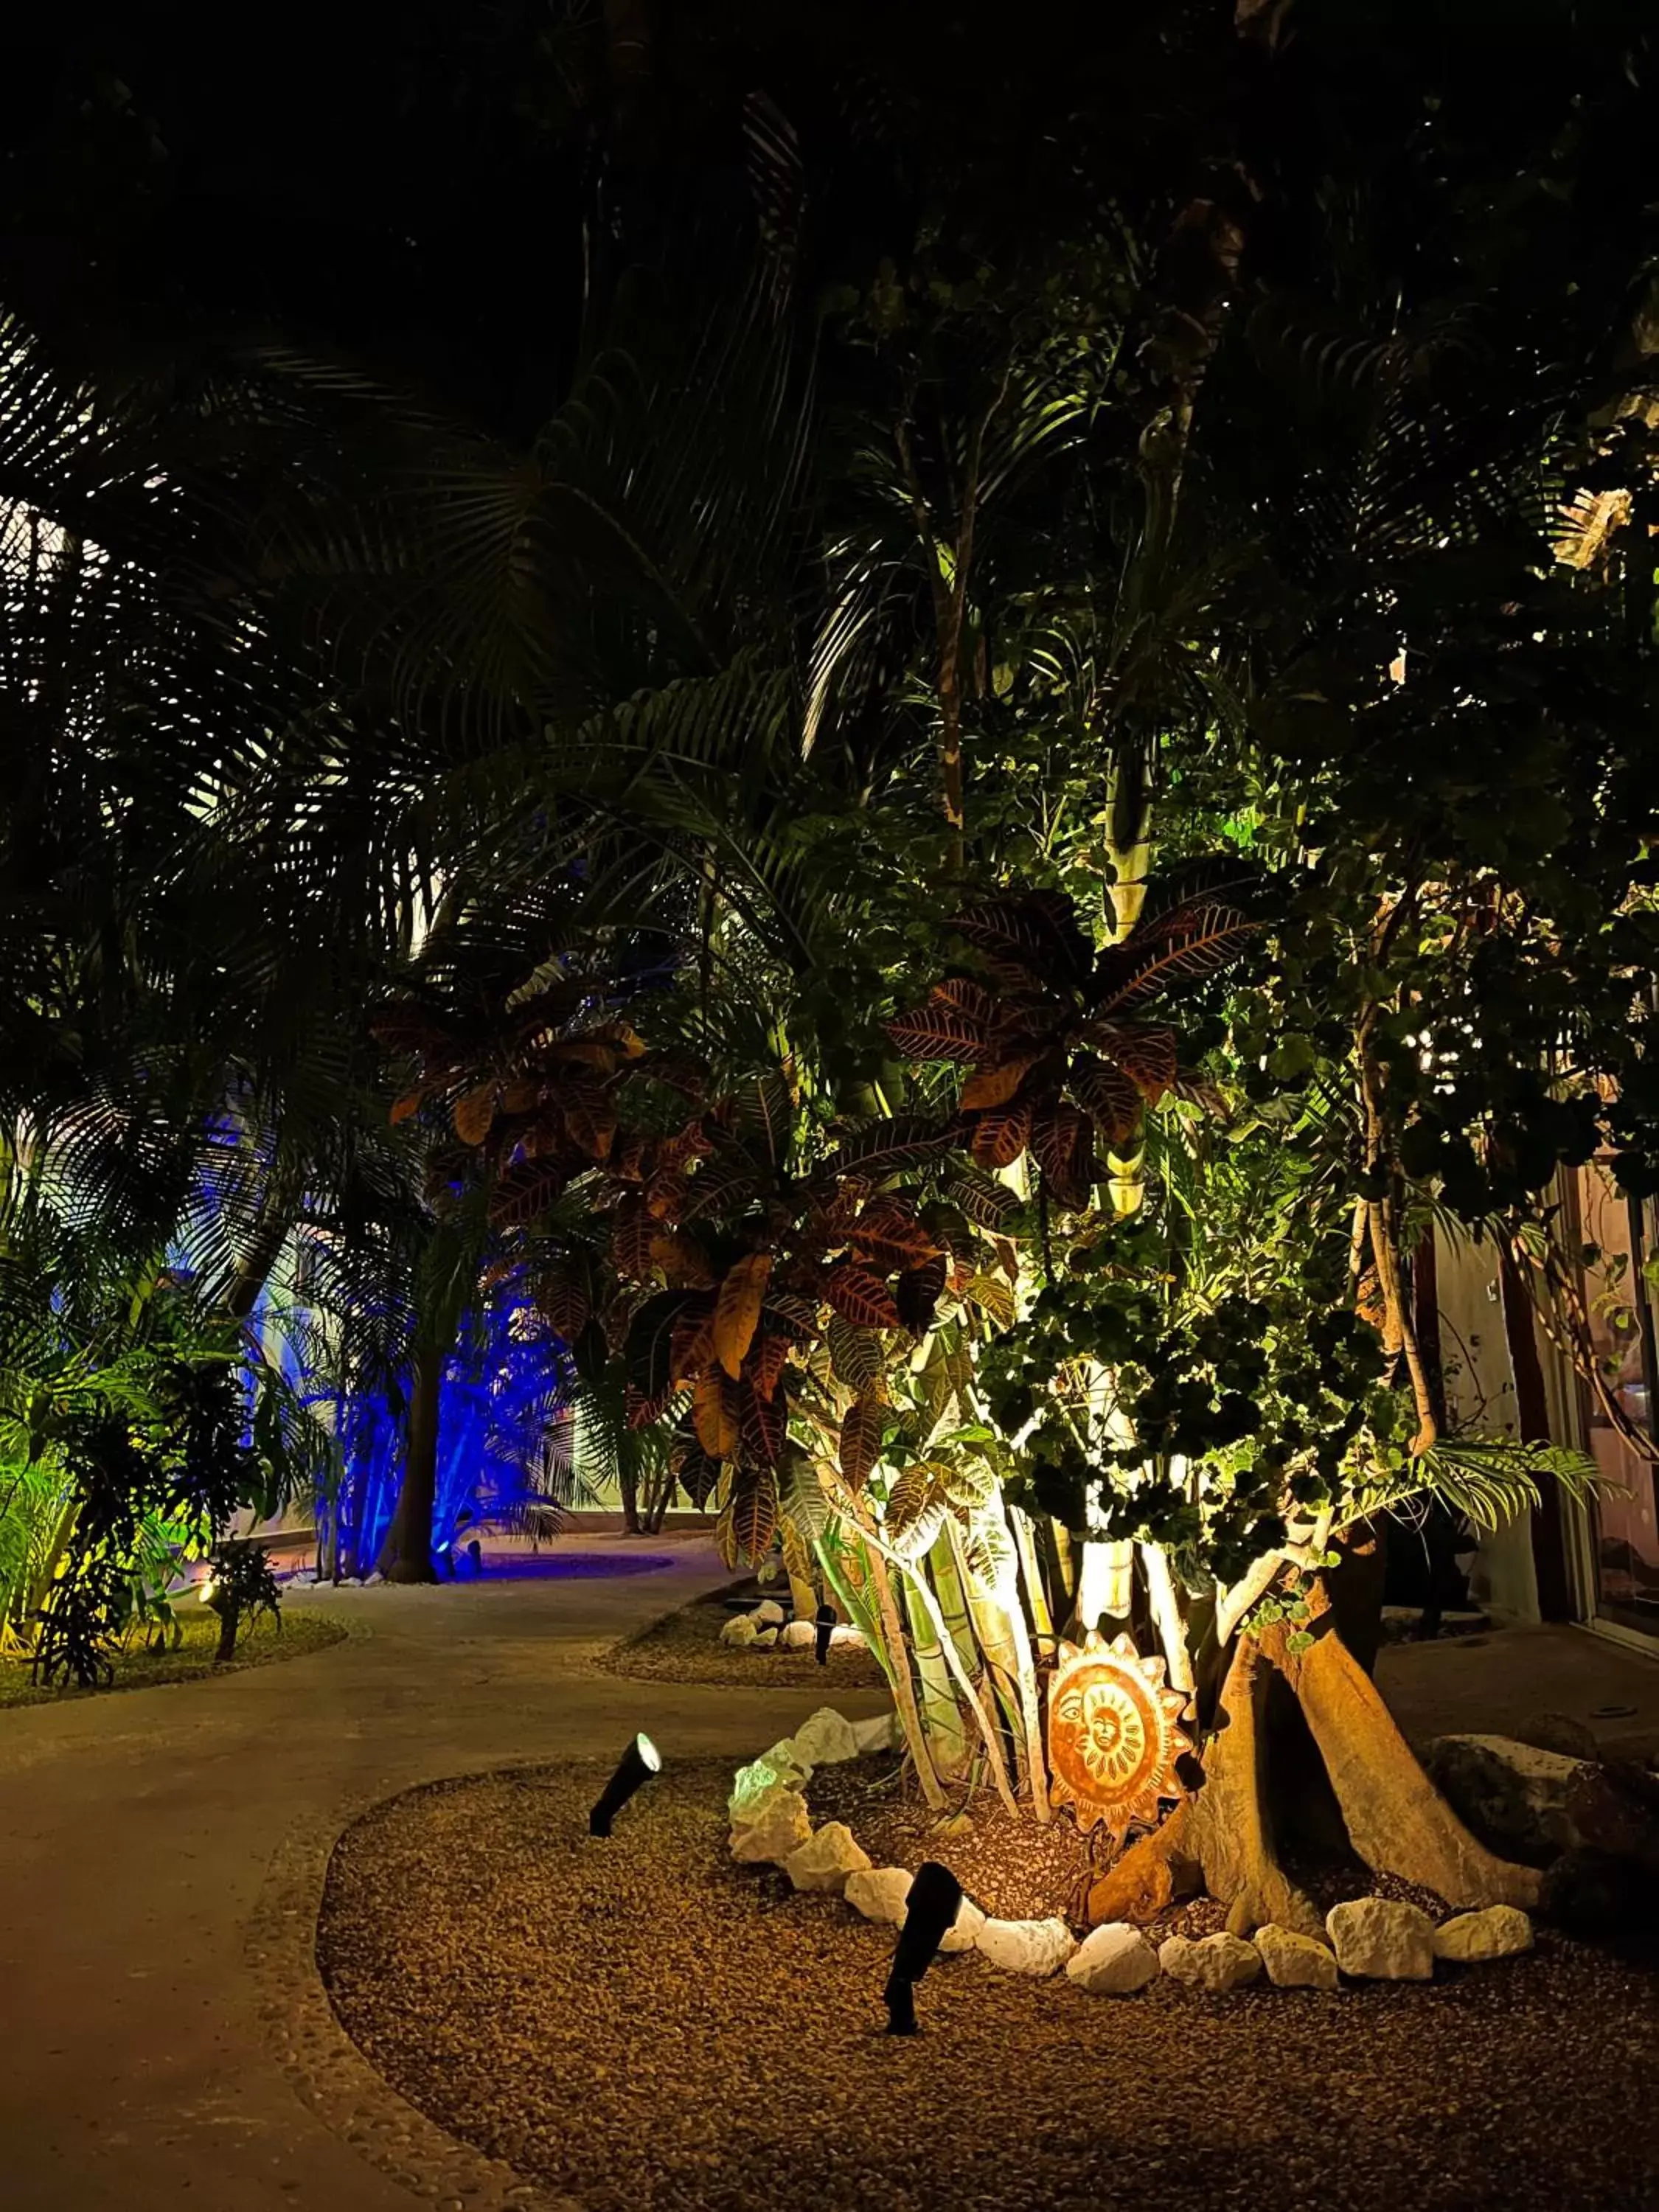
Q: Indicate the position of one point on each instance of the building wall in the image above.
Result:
(1480, 1395)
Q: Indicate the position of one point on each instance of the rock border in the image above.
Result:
(324, 2067)
(768, 1627)
(1369, 1938)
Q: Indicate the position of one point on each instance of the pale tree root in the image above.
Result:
(1396, 1819)
(1220, 1839)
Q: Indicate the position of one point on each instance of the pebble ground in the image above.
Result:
(644, 2025)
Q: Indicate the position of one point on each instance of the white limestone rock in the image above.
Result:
(1380, 1939)
(798, 1635)
(882, 1894)
(1037, 1947)
(825, 1861)
(785, 1757)
(782, 1825)
(768, 1614)
(1112, 1961)
(962, 1934)
(765, 1638)
(740, 1631)
(827, 1739)
(884, 1733)
(1295, 1961)
(753, 1785)
(1212, 1962)
(1500, 1932)
(843, 1637)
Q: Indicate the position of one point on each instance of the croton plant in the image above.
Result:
(756, 1268)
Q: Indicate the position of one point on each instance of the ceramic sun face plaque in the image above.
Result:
(1113, 1740)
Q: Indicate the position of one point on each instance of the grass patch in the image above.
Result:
(136, 1668)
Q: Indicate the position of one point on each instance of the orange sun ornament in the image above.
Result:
(1112, 1742)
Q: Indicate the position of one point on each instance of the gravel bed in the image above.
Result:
(649, 2027)
(686, 1647)
(1013, 1868)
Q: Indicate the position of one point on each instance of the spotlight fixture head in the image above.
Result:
(935, 1900)
(636, 1767)
(824, 1623)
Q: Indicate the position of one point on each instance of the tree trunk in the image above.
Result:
(1396, 1819)
(628, 1484)
(228, 1623)
(408, 1554)
(1221, 1839)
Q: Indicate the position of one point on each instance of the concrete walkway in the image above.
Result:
(1493, 1684)
(137, 1833)
(156, 1845)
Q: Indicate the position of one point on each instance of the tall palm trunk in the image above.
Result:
(407, 1557)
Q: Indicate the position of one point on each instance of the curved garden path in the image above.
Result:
(164, 2040)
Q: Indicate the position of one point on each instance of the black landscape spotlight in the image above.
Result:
(637, 1764)
(935, 1900)
(825, 1624)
